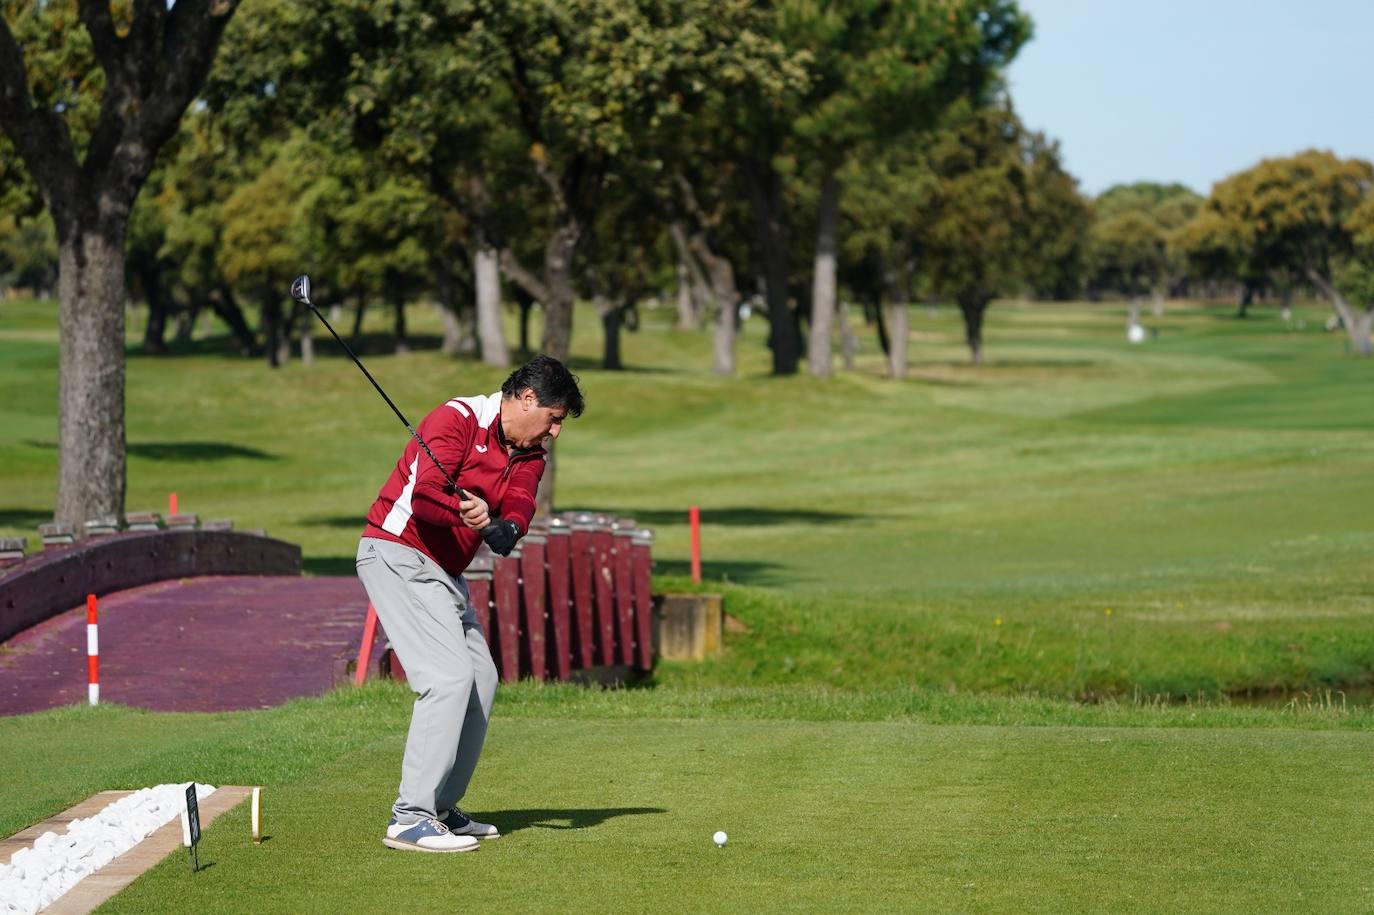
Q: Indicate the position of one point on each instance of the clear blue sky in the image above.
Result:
(1195, 90)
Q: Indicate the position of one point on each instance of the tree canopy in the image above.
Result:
(797, 154)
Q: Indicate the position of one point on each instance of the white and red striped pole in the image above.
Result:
(92, 652)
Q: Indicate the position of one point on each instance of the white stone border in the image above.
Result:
(97, 885)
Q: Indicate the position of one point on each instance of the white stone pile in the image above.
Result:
(35, 877)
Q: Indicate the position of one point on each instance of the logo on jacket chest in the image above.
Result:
(481, 449)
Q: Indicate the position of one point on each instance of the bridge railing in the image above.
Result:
(38, 586)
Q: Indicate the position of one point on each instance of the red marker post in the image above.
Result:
(694, 521)
(365, 649)
(171, 504)
(92, 653)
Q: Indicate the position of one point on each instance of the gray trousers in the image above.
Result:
(431, 625)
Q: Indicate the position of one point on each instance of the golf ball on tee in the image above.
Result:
(720, 837)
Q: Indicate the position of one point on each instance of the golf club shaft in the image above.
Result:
(358, 362)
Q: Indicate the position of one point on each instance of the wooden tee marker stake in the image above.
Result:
(257, 816)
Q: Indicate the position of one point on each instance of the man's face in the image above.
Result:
(528, 424)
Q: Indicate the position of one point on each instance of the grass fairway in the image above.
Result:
(1079, 517)
(608, 802)
(929, 578)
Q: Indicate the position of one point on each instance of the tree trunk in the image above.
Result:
(155, 331)
(307, 322)
(723, 338)
(270, 320)
(877, 311)
(543, 497)
(1247, 296)
(357, 333)
(769, 218)
(1157, 302)
(714, 276)
(896, 336)
(849, 346)
(449, 306)
(226, 307)
(1357, 326)
(526, 306)
(398, 304)
(727, 298)
(486, 269)
(611, 319)
(973, 305)
(186, 322)
(91, 472)
(823, 278)
(686, 307)
(558, 278)
(284, 339)
(454, 339)
(1286, 303)
(1359, 334)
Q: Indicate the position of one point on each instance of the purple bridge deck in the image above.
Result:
(195, 645)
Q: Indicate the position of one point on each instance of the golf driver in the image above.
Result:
(502, 533)
(300, 291)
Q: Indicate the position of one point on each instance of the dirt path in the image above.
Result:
(204, 644)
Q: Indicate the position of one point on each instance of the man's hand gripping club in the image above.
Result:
(499, 533)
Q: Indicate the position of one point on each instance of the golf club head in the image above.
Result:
(300, 289)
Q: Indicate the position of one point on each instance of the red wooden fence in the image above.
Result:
(572, 595)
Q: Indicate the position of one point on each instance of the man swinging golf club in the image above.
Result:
(477, 483)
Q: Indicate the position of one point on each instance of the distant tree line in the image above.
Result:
(1300, 222)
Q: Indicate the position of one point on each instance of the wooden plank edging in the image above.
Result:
(96, 888)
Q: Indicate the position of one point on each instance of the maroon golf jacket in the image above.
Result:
(414, 506)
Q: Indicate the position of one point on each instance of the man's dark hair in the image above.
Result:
(553, 385)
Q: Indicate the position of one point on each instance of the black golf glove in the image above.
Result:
(501, 535)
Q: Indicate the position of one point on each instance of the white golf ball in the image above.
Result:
(720, 837)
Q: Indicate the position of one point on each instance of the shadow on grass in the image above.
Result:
(23, 517)
(1014, 363)
(942, 382)
(331, 566)
(196, 451)
(375, 343)
(224, 344)
(182, 451)
(509, 821)
(342, 521)
(743, 572)
(735, 516)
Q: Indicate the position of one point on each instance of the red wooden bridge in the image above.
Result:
(200, 620)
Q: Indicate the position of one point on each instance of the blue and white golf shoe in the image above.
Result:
(426, 835)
